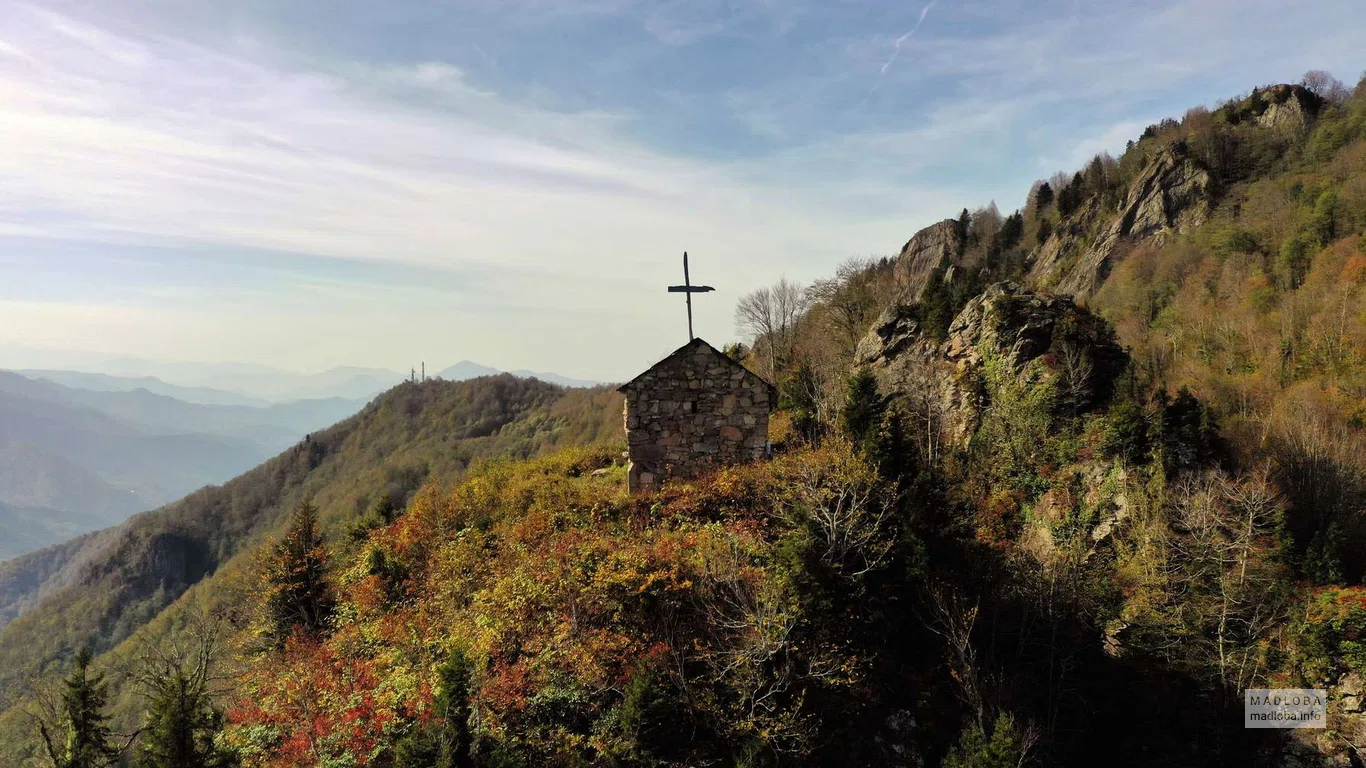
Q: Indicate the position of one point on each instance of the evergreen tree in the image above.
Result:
(1072, 196)
(1012, 229)
(299, 595)
(863, 408)
(445, 741)
(798, 395)
(381, 513)
(1043, 198)
(1045, 230)
(1096, 177)
(891, 449)
(937, 305)
(975, 749)
(88, 742)
(181, 722)
(964, 222)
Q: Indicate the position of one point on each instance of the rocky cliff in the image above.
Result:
(935, 246)
(1283, 107)
(937, 381)
(1171, 195)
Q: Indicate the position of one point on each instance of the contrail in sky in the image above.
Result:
(896, 50)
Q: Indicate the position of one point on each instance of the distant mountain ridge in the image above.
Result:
(103, 382)
(72, 460)
(466, 369)
(257, 386)
(245, 384)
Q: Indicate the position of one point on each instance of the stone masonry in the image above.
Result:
(693, 411)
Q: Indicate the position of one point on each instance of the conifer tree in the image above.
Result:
(890, 448)
(88, 742)
(299, 596)
(445, 741)
(799, 395)
(1043, 197)
(176, 678)
(1045, 230)
(181, 722)
(863, 407)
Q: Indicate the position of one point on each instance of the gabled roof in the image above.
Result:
(689, 348)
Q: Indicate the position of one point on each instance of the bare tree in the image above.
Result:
(986, 222)
(769, 316)
(749, 646)
(1325, 85)
(953, 616)
(843, 502)
(1074, 373)
(1222, 565)
(190, 652)
(1059, 181)
(850, 300)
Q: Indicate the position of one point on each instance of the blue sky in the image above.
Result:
(309, 183)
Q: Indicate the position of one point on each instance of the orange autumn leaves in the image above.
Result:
(558, 585)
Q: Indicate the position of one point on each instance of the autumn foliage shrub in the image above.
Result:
(581, 615)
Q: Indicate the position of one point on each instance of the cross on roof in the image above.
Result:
(688, 289)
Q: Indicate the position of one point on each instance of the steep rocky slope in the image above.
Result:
(1171, 195)
(1006, 322)
(938, 246)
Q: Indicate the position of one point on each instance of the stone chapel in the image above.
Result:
(695, 410)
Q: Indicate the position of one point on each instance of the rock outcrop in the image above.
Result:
(937, 381)
(1281, 107)
(934, 246)
(1171, 195)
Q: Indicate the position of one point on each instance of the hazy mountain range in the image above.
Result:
(72, 460)
(465, 369)
(242, 383)
(81, 450)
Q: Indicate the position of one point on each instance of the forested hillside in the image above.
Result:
(98, 591)
(1051, 488)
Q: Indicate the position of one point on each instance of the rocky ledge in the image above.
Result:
(937, 380)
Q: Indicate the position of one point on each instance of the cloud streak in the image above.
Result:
(513, 183)
(907, 37)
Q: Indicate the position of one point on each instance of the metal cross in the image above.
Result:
(688, 289)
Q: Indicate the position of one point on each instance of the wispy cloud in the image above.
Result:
(907, 37)
(371, 182)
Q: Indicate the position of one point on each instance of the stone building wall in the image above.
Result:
(694, 411)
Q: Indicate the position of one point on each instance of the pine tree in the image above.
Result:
(88, 742)
(1012, 229)
(799, 396)
(181, 722)
(863, 407)
(937, 305)
(891, 449)
(1096, 177)
(299, 596)
(1043, 198)
(445, 741)
(1045, 230)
